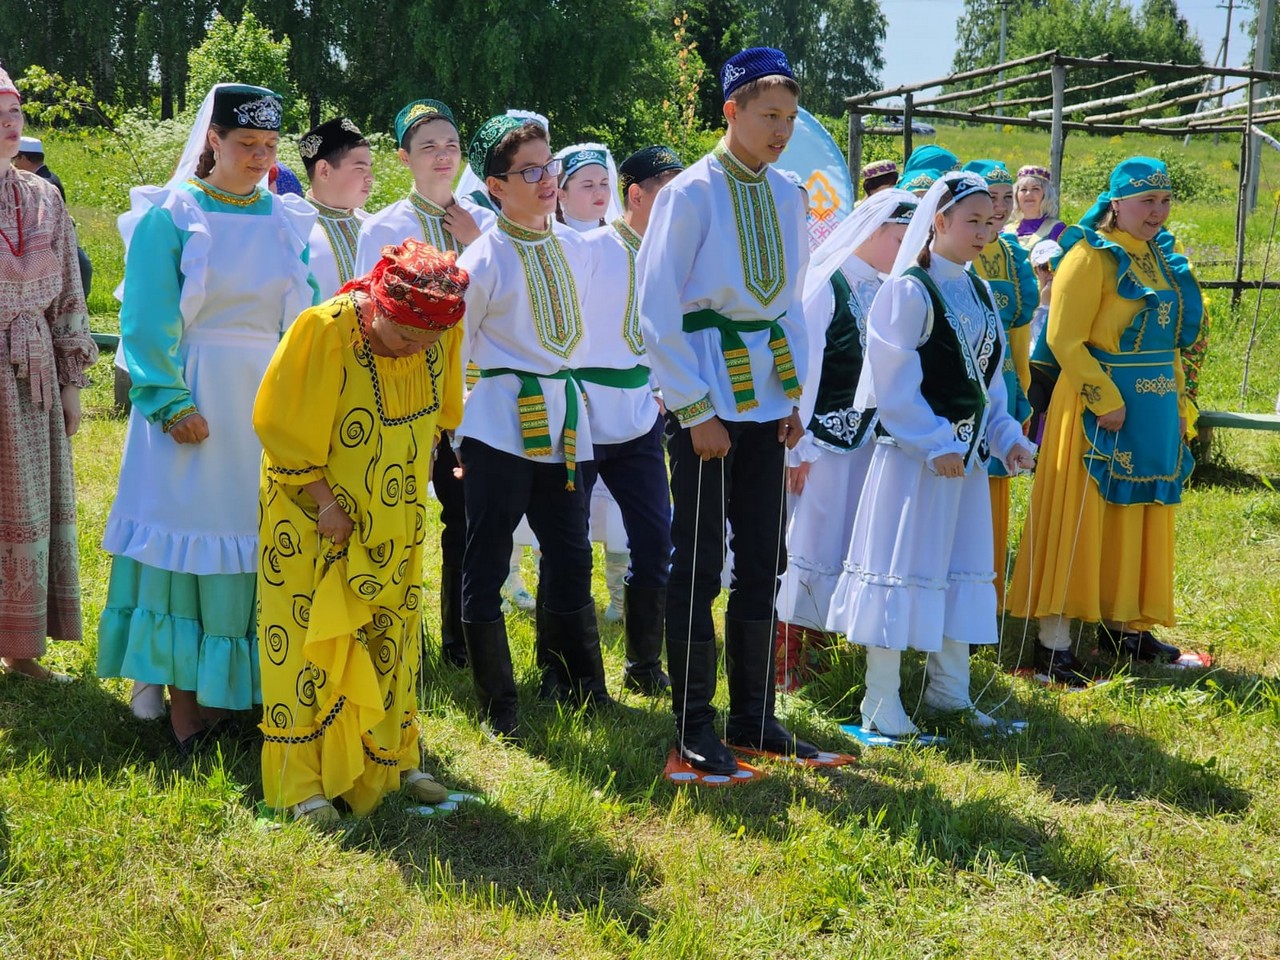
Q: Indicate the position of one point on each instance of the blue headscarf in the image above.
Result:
(925, 165)
(1130, 178)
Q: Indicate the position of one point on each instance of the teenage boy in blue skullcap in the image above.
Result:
(720, 277)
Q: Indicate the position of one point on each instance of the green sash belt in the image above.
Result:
(736, 358)
(630, 379)
(534, 428)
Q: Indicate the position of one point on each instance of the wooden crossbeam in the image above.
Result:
(1048, 97)
(1121, 98)
(1165, 104)
(864, 98)
(989, 88)
(929, 113)
(1267, 76)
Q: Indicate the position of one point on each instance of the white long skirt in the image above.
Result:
(919, 562)
(818, 535)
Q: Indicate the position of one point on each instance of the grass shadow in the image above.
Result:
(548, 860)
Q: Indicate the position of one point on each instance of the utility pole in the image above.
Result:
(1261, 61)
(1004, 30)
(1226, 40)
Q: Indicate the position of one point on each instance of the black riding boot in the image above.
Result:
(453, 645)
(750, 647)
(646, 617)
(574, 640)
(490, 657)
(693, 685)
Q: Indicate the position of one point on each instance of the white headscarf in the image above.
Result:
(614, 210)
(853, 232)
(946, 191)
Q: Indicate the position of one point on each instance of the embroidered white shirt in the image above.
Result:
(692, 258)
(417, 217)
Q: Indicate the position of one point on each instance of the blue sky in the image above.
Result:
(921, 38)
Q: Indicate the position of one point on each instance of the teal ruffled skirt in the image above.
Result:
(191, 632)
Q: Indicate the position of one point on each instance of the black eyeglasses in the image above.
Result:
(550, 169)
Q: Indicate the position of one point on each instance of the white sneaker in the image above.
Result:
(146, 700)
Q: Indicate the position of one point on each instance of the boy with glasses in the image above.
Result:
(524, 427)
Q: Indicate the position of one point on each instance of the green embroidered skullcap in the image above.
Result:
(1130, 178)
(418, 112)
(993, 171)
(490, 134)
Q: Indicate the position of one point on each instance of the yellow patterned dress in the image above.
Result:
(1084, 556)
(339, 629)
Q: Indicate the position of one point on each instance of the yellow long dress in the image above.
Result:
(1080, 556)
(339, 629)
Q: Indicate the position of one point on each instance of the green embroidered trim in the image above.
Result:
(553, 293)
(764, 262)
(628, 234)
(431, 217)
(631, 315)
(513, 229)
(343, 230)
(694, 410)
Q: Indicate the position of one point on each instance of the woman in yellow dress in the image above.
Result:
(347, 415)
(1098, 543)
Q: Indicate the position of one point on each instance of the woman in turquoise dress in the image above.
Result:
(215, 268)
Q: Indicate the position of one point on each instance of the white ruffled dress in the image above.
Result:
(210, 286)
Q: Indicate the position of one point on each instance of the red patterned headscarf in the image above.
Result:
(416, 285)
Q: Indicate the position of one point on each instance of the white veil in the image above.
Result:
(470, 181)
(615, 209)
(197, 139)
(946, 191)
(853, 232)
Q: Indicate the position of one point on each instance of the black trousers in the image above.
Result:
(499, 488)
(746, 489)
(453, 514)
(636, 474)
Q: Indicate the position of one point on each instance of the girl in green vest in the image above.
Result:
(918, 572)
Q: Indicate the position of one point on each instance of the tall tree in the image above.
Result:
(833, 45)
(978, 30)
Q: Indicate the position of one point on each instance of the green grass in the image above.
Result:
(1141, 819)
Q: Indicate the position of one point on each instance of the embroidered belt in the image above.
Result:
(738, 360)
(535, 429)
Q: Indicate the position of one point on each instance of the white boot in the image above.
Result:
(948, 689)
(616, 565)
(146, 700)
(514, 593)
(882, 704)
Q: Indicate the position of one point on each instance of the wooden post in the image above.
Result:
(855, 151)
(1058, 133)
(908, 108)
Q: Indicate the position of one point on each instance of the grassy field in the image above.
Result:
(1140, 819)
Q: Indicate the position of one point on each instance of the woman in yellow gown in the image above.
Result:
(347, 415)
(1098, 544)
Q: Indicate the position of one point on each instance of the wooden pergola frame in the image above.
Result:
(1240, 118)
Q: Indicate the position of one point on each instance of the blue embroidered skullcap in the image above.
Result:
(753, 64)
(575, 161)
(1130, 178)
(931, 160)
(287, 181)
(993, 171)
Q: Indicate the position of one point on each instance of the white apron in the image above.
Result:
(193, 508)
